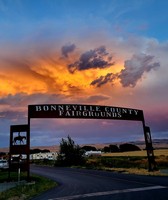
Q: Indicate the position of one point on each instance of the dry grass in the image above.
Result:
(157, 152)
(136, 171)
(161, 158)
(26, 191)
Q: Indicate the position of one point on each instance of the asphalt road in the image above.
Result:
(82, 184)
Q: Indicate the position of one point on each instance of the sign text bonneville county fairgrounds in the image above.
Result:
(84, 111)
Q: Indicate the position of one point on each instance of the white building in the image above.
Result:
(47, 155)
(92, 153)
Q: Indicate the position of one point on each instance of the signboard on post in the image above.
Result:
(19, 148)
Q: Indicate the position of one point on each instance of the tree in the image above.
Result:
(34, 151)
(129, 147)
(89, 148)
(106, 149)
(113, 148)
(70, 153)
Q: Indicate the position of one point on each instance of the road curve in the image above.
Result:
(82, 184)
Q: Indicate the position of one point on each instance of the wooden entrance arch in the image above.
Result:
(94, 112)
(73, 111)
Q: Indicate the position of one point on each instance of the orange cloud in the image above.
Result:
(44, 72)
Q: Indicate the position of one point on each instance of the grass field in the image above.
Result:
(157, 152)
(25, 191)
(130, 162)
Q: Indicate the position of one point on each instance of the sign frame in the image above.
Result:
(82, 111)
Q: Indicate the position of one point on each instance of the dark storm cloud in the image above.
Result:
(135, 68)
(97, 98)
(110, 77)
(97, 58)
(15, 107)
(132, 72)
(12, 115)
(23, 99)
(65, 50)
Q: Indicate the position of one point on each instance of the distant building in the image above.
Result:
(92, 153)
(47, 155)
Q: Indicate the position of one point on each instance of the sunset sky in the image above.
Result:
(99, 52)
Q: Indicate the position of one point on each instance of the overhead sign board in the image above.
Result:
(84, 111)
